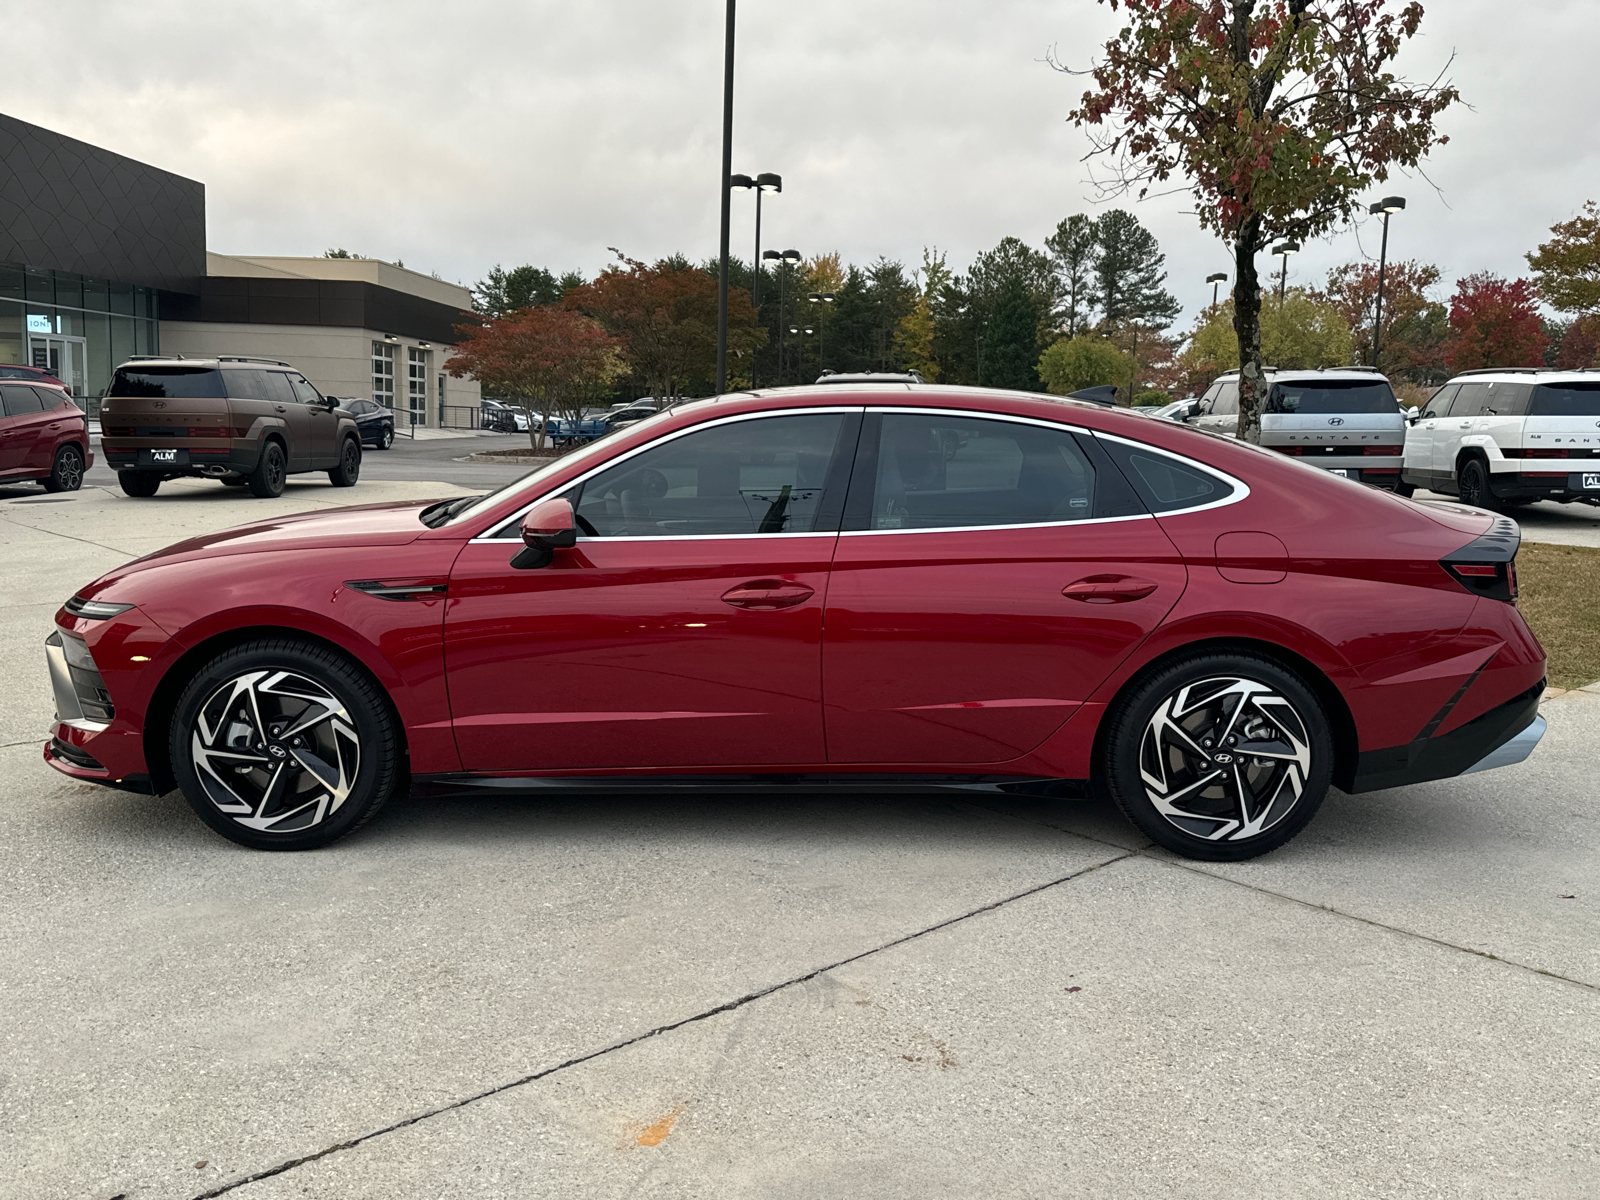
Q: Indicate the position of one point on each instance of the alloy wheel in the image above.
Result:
(68, 474)
(1225, 758)
(275, 751)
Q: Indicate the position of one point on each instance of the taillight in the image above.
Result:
(1487, 564)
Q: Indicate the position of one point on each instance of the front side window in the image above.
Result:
(303, 391)
(1439, 403)
(1227, 401)
(937, 472)
(767, 475)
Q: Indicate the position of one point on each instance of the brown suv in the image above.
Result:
(245, 421)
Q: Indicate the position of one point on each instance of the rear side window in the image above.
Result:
(937, 472)
(19, 400)
(246, 384)
(1332, 396)
(1166, 483)
(173, 383)
(1565, 400)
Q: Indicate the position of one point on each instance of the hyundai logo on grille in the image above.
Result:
(1335, 420)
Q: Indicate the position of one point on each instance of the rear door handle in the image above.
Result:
(768, 593)
(1108, 589)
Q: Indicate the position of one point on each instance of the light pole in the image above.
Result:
(800, 351)
(727, 198)
(764, 182)
(1386, 206)
(1214, 280)
(1283, 250)
(822, 337)
(787, 259)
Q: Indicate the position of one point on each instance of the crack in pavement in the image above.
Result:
(68, 536)
(728, 1006)
(1400, 930)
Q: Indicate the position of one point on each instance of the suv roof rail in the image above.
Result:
(1505, 371)
(276, 362)
(151, 357)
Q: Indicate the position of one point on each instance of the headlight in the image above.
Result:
(95, 610)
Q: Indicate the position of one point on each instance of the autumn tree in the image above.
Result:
(503, 292)
(1579, 346)
(665, 318)
(1567, 267)
(1300, 331)
(549, 360)
(1494, 322)
(914, 338)
(1415, 325)
(1074, 363)
(1277, 114)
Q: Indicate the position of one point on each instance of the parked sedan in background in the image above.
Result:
(373, 420)
(909, 587)
(44, 436)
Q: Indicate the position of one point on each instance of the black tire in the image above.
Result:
(349, 468)
(1156, 761)
(139, 483)
(267, 480)
(253, 786)
(232, 481)
(1472, 486)
(66, 473)
(1407, 490)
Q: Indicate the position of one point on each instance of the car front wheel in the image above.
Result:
(1220, 757)
(349, 468)
(280, 744)
(386, 437)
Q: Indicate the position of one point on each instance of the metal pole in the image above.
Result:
(755, 287)
(1214, 288)
(1377, 325)
(822, 337)
(783, 325)
(1283, 278)
(727, 201)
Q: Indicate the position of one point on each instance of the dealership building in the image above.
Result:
(103, 258)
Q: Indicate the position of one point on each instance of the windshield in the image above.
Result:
(1565, 400)
(181, 383)
(469, 505)
(1333, 396)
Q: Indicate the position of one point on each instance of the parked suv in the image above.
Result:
(1345, 420)
(1512, 436)
(244, 421)
(43, 436)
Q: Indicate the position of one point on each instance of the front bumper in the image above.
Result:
(1500, 737)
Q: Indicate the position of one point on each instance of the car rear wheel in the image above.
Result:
(66, 473)
(1220, 757)
(1472, 486)
(139, 483)
(1405, 489)
(349, 468)
(279, 744)
(267, 480)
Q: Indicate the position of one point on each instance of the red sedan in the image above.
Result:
(908, 587)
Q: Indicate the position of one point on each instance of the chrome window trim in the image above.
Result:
(1241, 488)
(489, 536)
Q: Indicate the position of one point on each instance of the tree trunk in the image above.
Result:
(1247, 325)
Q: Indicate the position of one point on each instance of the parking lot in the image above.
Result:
(773, 995)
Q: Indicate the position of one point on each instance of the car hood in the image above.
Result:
(392, 524)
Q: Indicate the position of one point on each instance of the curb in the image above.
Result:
(514, 459)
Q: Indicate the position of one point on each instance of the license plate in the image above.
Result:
(163, 456)
(1585, 481)
(1342, 474)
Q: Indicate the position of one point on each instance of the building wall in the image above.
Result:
(337, 359)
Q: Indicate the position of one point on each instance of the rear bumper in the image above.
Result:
(1545, 479)
(199, 456)
(1500, 737)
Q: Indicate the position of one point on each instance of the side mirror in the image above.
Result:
(548, 527)
(331, 402)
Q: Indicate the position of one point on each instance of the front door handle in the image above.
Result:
(768, 593)
(280, 408)
(1108, 589)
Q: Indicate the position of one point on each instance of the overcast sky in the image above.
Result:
(455, 136)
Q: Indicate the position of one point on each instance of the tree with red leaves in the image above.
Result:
(1277, 113)
(1580, 345)
(550, 360)
(1495, 323)
(1414, 324)
(665, 317)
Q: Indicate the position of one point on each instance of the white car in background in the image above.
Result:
(1344, 420)
(1499, 438)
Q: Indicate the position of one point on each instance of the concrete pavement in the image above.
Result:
(776, 996)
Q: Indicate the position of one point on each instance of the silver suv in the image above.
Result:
(1504, 437)
(1345, 420)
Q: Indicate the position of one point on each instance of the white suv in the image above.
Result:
(1509, 436)
(1342, 419)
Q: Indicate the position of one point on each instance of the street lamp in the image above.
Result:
(1214, 280)
(765, 182)
(1387, 206)
(727, 198)
(1283, 250)
(787, 258)
(822, 339)
(800, 351)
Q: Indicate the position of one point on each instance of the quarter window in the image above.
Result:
(1166, 483)
(937, 472)
(767, 475)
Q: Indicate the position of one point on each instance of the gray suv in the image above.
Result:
(1345, 420)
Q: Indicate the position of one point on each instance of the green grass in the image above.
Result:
(1561, 601)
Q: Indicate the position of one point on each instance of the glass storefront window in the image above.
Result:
(10, 282)
(94, 294)
(122, 298)
(41, 288)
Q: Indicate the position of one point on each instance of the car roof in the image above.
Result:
(222, 362)
(1527, 375)
(1314, 373)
